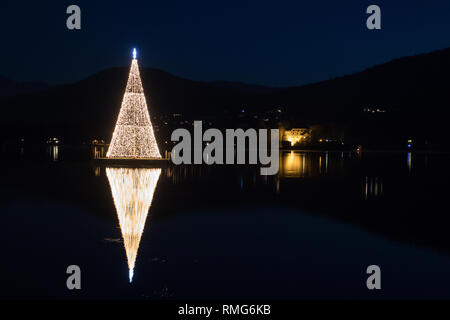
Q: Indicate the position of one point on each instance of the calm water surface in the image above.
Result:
(188, 232)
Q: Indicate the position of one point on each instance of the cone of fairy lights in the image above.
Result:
(133, 135)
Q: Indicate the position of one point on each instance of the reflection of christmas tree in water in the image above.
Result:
(133, 135)
(132, 191)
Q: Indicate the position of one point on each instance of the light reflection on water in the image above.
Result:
(373, 187)
(298, 164)
(132, 190)
(210, 217)
(292, 164)
(409, 157)
(53, 152)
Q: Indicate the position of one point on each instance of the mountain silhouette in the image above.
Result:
(10, 87)
(412, 92)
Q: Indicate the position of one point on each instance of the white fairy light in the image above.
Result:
(132, 190)
(133, 135)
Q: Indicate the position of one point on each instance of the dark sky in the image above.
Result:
(277, 43)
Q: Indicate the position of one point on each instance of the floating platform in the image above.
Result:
(133, 162)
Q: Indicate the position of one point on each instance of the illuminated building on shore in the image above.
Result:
(296, 136)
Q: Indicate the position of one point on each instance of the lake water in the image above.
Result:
(226, 232)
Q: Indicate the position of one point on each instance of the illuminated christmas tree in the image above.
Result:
(132, 191)
(133, 135)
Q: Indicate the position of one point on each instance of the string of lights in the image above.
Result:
(133, 136)
(132, 190)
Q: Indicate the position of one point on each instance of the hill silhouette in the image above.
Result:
(10, 87)
(412, 93)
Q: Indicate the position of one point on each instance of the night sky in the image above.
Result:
(278, 43)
